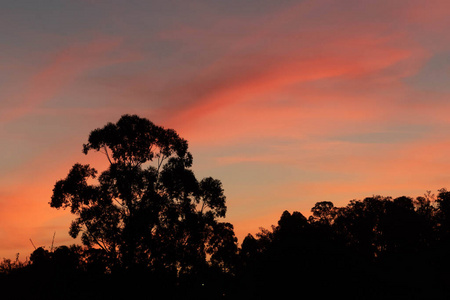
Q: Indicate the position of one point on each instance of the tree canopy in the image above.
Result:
(147, 208)
(148, 225)
(374, 248)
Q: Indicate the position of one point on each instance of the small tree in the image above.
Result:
(147, 208)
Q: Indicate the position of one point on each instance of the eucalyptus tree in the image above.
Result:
(147, 208)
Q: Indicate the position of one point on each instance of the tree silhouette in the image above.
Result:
(147, 209)
(147, 224)
(375, 248)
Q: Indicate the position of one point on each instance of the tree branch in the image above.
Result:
(203, 206)
(107, 154)
(160, 161)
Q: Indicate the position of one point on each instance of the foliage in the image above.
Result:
(147, 208)
(7, 265)
(373, 248)
(150, 227)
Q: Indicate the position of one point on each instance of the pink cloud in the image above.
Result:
(375, 61)
(63, 68)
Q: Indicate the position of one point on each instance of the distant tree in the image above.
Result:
(426, 204)
(7, 265)
(147, 208)
(373, 248)
(359, 221)
(379, 226)
(40, 257)
(443, 213)
(323, 212)
(61, 259)
(294, 255)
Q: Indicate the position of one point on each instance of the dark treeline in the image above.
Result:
(150, 229)
(376, 248)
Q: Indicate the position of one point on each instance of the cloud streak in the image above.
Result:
(63, 68)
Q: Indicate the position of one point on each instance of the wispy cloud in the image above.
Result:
(63, 68)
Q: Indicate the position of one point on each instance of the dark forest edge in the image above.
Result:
(151, 229)
(376, 248)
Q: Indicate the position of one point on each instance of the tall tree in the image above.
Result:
(147, 208)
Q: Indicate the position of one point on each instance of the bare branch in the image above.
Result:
(107, 154)
(161, 158)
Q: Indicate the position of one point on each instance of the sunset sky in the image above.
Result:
(286, 102)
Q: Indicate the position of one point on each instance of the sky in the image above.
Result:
(286, 102)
